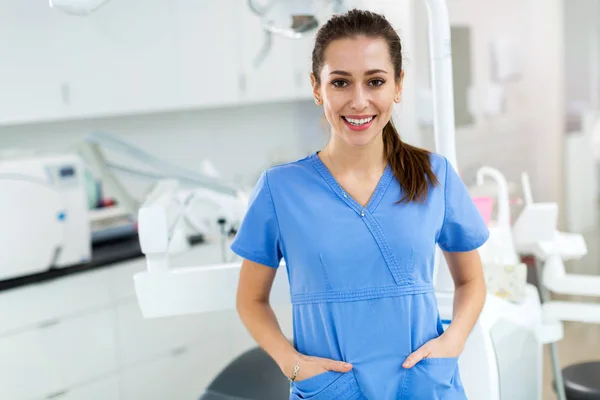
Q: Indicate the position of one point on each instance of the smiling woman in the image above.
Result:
(357, 224)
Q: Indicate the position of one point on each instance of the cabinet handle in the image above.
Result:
(65, 93)
(179, 351)
(57, 394)
(242, 83)
(49, 323)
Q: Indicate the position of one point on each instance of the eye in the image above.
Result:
(338, 83)
(377, 82)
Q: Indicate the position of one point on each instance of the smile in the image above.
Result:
(358, 123)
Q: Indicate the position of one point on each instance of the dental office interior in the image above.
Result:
(133, 131)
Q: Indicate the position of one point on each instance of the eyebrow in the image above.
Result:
(369, 72)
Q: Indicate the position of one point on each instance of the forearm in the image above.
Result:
(261, 321)
(469, 298)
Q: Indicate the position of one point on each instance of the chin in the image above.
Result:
(360, 139)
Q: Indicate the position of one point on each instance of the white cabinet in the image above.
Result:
(47, 302)
(302, 64)
(181, 375)
(122, 59)
(141, 56)
(143, 339)
(31, 62)
(274, 78)
(207, 49)
(48, 360)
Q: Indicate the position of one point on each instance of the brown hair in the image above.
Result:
(411, 165)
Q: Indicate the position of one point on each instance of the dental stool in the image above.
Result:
(582, 381)
(252, 376)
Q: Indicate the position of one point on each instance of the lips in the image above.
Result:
(358, 122)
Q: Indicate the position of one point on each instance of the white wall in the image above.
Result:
(239, 141)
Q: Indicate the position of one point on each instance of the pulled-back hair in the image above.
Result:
(411, 165)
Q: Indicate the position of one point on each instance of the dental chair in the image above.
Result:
(251, 376)
(535, 233)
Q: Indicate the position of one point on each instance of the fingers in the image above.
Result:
(338, 366)
(415, 357)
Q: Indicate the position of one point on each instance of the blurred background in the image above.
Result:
(102, 104)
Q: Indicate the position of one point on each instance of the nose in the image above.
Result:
(360, 98)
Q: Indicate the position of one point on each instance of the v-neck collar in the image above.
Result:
(376, 196)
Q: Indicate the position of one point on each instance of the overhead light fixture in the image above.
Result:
(293, 19)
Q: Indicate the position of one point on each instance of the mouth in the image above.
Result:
(359, 122)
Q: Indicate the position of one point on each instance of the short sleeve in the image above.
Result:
(257, 238)
(463, 228)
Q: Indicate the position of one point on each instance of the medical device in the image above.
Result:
(44, 213)
(209, 205)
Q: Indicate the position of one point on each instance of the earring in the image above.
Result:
(317, 100)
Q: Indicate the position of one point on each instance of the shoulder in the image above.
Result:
(439, 166)
(285, 174)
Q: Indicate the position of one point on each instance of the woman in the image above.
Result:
(357, 224)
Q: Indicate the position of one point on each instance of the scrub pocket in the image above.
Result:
(328, 386)
(435, 378)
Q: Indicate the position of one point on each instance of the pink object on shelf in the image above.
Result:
(485, 205)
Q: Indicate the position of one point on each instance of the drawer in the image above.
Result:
(25, 307)
(182, 375)
(48, 360)
(141, 339)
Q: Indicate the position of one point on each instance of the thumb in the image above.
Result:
(415, 357)
(338, 366)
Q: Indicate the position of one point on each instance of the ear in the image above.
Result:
(316, 90)
(398, 94)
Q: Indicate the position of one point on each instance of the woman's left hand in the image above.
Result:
(440, 347)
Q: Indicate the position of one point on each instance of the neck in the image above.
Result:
(356, 159)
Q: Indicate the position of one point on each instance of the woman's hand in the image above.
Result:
(443, 346)
(312, 366)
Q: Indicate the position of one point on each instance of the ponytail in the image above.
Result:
(411, 165)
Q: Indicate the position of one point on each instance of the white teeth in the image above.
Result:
(359, 121)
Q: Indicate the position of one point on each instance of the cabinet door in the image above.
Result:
(142, 339)
(49, 360)
(273, 79)
(207, 48)
(303, 65)
(31, 62)
(122, 59)
(182, 375)
(24, 308)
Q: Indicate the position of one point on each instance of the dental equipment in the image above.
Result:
(290, 19)
(209, 204)
(44, 214)
(551, 248)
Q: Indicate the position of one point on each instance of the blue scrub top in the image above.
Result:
(361, 278)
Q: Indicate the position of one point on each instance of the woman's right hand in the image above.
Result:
(312, 366)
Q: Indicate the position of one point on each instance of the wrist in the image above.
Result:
(454, 338)
(287, 361)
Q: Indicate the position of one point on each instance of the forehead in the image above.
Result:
(356, 55)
